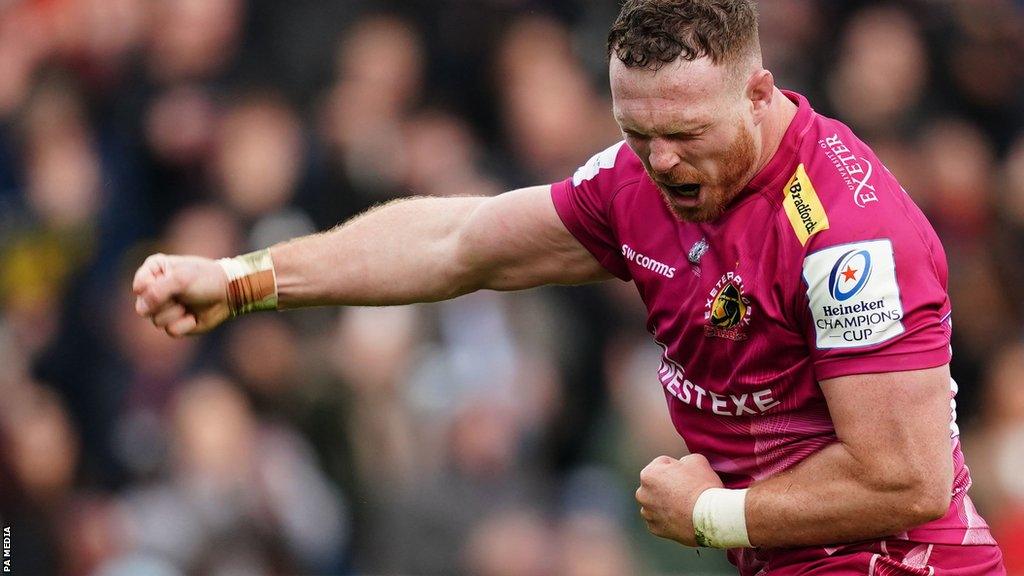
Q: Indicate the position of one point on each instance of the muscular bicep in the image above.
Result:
(896, 424)
(516, 240)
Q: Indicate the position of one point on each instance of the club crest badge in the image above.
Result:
(697, 251)
(727, 310)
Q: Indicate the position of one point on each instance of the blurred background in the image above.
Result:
(493, 435)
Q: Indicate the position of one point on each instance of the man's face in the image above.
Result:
(691, 125)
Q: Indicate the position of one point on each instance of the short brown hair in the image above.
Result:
(652, 33)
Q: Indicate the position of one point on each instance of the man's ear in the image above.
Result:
(759, 91)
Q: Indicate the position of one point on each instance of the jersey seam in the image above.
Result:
(766, 190)
(839, 361)
(920, 235)
(903, 353)
(776, 202)
(612, 220)
(794, 301)
(605, 260)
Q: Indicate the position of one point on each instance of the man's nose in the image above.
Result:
(663, 158)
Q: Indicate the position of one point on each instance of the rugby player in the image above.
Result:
(797, 293)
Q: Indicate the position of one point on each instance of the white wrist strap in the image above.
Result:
(720, 519)
(252, 282)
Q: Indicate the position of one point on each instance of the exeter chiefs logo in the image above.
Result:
(727, 311)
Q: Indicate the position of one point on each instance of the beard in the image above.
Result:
(735, 165)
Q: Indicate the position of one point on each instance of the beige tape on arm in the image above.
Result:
(720, 519)
(252, 282)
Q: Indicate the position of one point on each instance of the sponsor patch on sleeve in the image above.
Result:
(853, 294)
(805, 211)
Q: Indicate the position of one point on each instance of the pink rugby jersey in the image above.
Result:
(822, 267)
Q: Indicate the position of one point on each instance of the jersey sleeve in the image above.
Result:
(874, 288)
(584, 204)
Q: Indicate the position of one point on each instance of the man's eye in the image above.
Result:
(684, 136)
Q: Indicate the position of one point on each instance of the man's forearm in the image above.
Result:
(399, 253)
(832, 498)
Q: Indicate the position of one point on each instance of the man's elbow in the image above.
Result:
(917, 492)
(919, 496)
(928, 501)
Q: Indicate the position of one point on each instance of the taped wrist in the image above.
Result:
(720, 519)
(252, 283)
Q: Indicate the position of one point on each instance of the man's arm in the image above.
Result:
(890, 471)
(413, 250)
(429, 249)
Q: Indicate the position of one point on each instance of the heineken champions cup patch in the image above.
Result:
(853, 294)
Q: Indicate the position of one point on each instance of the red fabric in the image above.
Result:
(1009, 532)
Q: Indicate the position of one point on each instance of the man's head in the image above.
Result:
(689, 93)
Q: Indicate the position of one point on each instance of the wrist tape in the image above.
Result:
(720, 520)
(252, 283)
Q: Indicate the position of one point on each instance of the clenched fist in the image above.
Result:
(182, 295)
(668, 490)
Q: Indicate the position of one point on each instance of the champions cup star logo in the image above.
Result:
(849, 274)
(844, 282)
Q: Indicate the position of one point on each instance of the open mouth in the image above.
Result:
(689, 191)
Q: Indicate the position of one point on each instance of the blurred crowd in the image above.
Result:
(492, 435)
